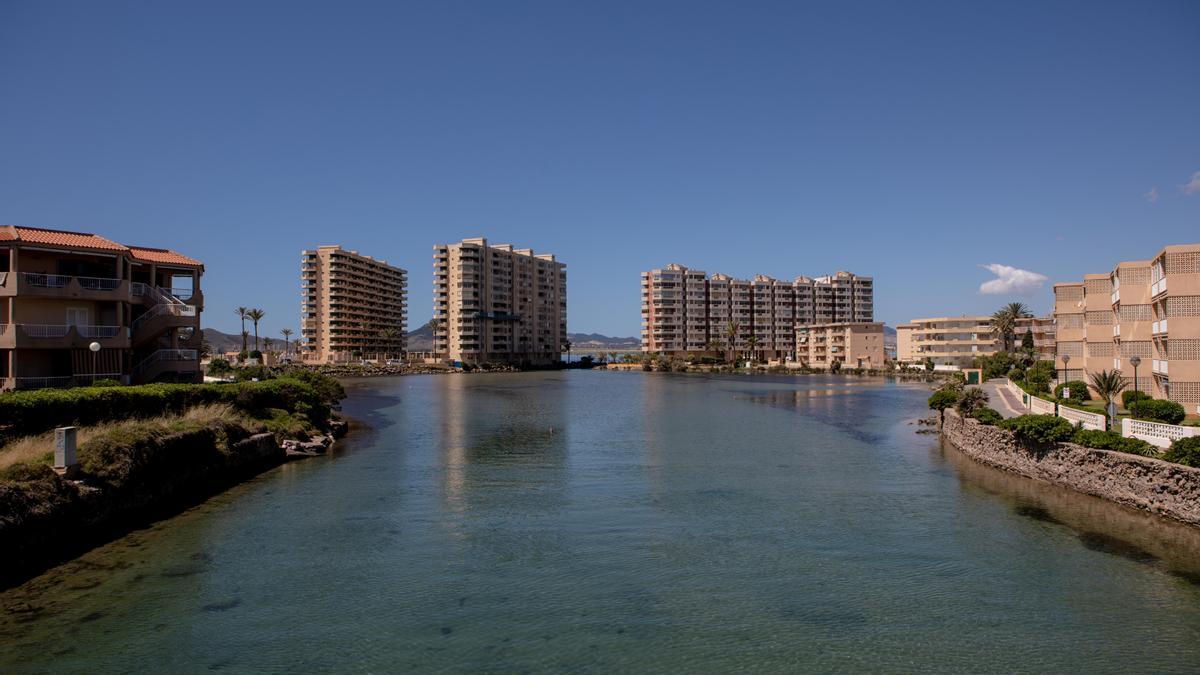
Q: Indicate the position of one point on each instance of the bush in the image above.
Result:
(1185, 451)
(255, 354)
(1111, 440)
(106, 382)
(971, 399)
(1157, 410)
(1079, 391)
(994, 365)
(1017, 374)
(942, 399)
(250, 373)
(218, 367)
(987, 416)
(1130, 396)
(1039, 428)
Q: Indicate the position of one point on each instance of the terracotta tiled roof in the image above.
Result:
(161, 255)
(37, 235)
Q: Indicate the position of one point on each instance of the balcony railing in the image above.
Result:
(39, 330)
(46, 280)
(165, 355)
(99, 331)
(1158, 287)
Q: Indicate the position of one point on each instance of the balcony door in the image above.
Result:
(77, 316)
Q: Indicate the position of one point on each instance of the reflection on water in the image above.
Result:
(627, 522)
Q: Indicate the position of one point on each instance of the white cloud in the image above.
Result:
(1152, 195)
(1011, 281)
(1193, 185)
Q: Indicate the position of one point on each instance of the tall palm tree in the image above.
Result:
(255, 315)
(287, 340)
(243, 313)
(390, 336)
(731, 333)
(567, 348)
(752, 343)
(1004, 323)
(1108, 385)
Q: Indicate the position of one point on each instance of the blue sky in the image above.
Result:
(914, 142)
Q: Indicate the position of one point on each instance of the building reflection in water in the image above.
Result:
(500, 435)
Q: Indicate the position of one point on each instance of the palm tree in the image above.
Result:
(731, 333)
(566, 345)
(972, 399)
(287, 340)
(255, 315)
(267, 343)
(243, 314)
(389, 338)
(752, 343)
(1108, 385)
(1004, 323)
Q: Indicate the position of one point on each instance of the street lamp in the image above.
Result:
(1134, 361)
(1066, 360)
(95, 347)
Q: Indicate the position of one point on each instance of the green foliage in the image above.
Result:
(1037, 380)
(1079, 391)
(249, 373)
(106, 382)
(1184, 451)
(255, 354)
(928, 364)
(994, 365)
(1016, 374)
(286, 424)
(970, 400)
(1111, 440)
(1128, 397)
(218, 367)
(1027, 340)
(1039, 428)
(988, 416)
(36, 411)
(836, 366)
(942, 399)
(1156, 410)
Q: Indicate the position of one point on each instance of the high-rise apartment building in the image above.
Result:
(352, 306)
(496, 303)
(76, 307)
(1149, 309)
(685, 311)
(850, 345)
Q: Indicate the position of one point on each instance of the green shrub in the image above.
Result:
(218, 367)
(1184, 451)
(255, 354)
(1039, 428)
(106, 382)
(942, 399)
(971, 399)
(987, 416)
(1016, 374)
(249, 373)
(1079, 391)
(286, 424)
(1129, 396)
(1111, 440)
(1157, 410)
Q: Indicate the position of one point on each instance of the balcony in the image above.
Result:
(1116, 296)
(36, 284)
(60, 336)
(1117, 330)
(1158, 327)
(1159, 366)
(165, 361)
(1158, 288)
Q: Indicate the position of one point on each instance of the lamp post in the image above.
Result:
(1134, 361)
(95, 347)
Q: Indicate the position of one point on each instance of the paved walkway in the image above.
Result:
(999, 397)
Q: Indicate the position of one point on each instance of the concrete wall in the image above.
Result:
(1152, 485)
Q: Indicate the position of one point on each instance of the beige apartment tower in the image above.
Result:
(850, 345)
(1149, 309)
(686, 312)
(496, 303)
(352, 307)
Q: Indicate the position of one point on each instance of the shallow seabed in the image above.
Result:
(634, 522)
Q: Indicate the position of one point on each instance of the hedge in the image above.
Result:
(1039, 428)
(1184, 451)
(988, 416)
(32, 412)
(1157, 410)
(1130, 395)
(1079, 391)
(1111, 440)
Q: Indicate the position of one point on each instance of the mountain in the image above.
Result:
(421, 340)
(224, 342)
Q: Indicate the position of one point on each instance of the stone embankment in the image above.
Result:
(1163, 488)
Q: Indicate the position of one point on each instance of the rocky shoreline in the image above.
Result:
(1145, 483)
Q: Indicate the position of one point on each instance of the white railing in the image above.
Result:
(1041, 406)
(88, 378)
(161, 310)
(138, 289)
(1159, 286)
(98, 283)
(43, 382)
(1089, 420)
(1156, 433)
(46, 280)
(177, 355)
(98, 331)
(1159, 366)
(1022, 397)
(41, 330)
(177, 293)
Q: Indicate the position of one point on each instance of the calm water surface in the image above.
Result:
(627, 522)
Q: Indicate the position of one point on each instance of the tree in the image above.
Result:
(928, 365)
(942, 399)
(972, 399)
(390, 336)
(1004, 323)
(245, 337)
(287, 340)
(752, 343)
(1108, 385)
(243, 314)
(731, 333)
(1027, 340)
(255, 315)
(566, 345)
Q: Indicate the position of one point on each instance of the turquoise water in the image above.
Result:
(632, 522)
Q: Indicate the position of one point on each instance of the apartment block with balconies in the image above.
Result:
(76, 307)
(951, 343)
(683, 312)
(850, 345)
(497, 303)
(352, 307)
(1153, 314)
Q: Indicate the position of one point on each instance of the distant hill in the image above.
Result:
(421, 340)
